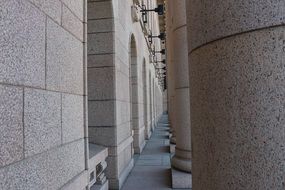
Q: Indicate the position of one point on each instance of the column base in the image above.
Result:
(181, 180)
(173, 140)
(184, 165)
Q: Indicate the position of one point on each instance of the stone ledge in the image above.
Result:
(79, 182)
(181, 180)
(97, 166)
(97, 154)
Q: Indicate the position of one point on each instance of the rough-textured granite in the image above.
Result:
(97, 10)
(237, 112)
(50, 170)
(179, 15)
(100, 43)
(65, 163)
(104, 60)
(11, 124)
(76, 6)
(181, 104)
(72, 23)
(102, 135)
(181, 58)
(101, 83)
(64, 60)
(181, 180)
(42, 120)
(210, 20)
(101, 25)
(50, 7)
(22, 44)
(72, 117)
(182, 157)
(29, 174)
(98, 111)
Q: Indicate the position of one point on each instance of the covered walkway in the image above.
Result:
(152, 167)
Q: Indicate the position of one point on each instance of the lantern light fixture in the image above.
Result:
(161, 36)
(161, 51)
(159, 10)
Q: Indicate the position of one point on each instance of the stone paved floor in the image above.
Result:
(152, 167)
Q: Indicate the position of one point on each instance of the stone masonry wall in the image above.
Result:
(42, 144)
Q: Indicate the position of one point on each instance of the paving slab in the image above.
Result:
(152, 170)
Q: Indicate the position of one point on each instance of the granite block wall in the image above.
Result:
(44, 81)
(110, 85)
(42, 88)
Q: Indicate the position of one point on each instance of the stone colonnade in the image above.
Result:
(236, 73)
(182, 158)
(170, 71)
(236, 53)
(65, 116)
(178, 81)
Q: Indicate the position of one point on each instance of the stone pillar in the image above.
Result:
(182, 157)
(170, 71)
(237, 72)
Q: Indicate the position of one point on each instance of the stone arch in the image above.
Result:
(134, 112)
(145, 99)
(150, 100)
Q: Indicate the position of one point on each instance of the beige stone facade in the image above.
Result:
(58, 93)
(87, 95)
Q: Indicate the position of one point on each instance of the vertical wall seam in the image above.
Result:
(61, 104)
(61, 14)
(85, 87)
(23, 120)
(46, 52)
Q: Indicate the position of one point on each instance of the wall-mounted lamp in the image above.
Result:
(162, 51)
(161, 36)
(162, 61)
(160, 72)
(164, 84)
(161, 68)
(159, 10)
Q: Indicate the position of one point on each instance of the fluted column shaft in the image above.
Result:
(182, 157)
(237, 90)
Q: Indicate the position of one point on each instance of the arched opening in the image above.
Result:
(134, 95)
(150, 100)
(145, 101)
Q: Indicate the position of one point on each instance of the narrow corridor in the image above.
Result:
(152, 170)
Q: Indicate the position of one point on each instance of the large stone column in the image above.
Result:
(182, 157)
(237, 73)
(170, 70)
